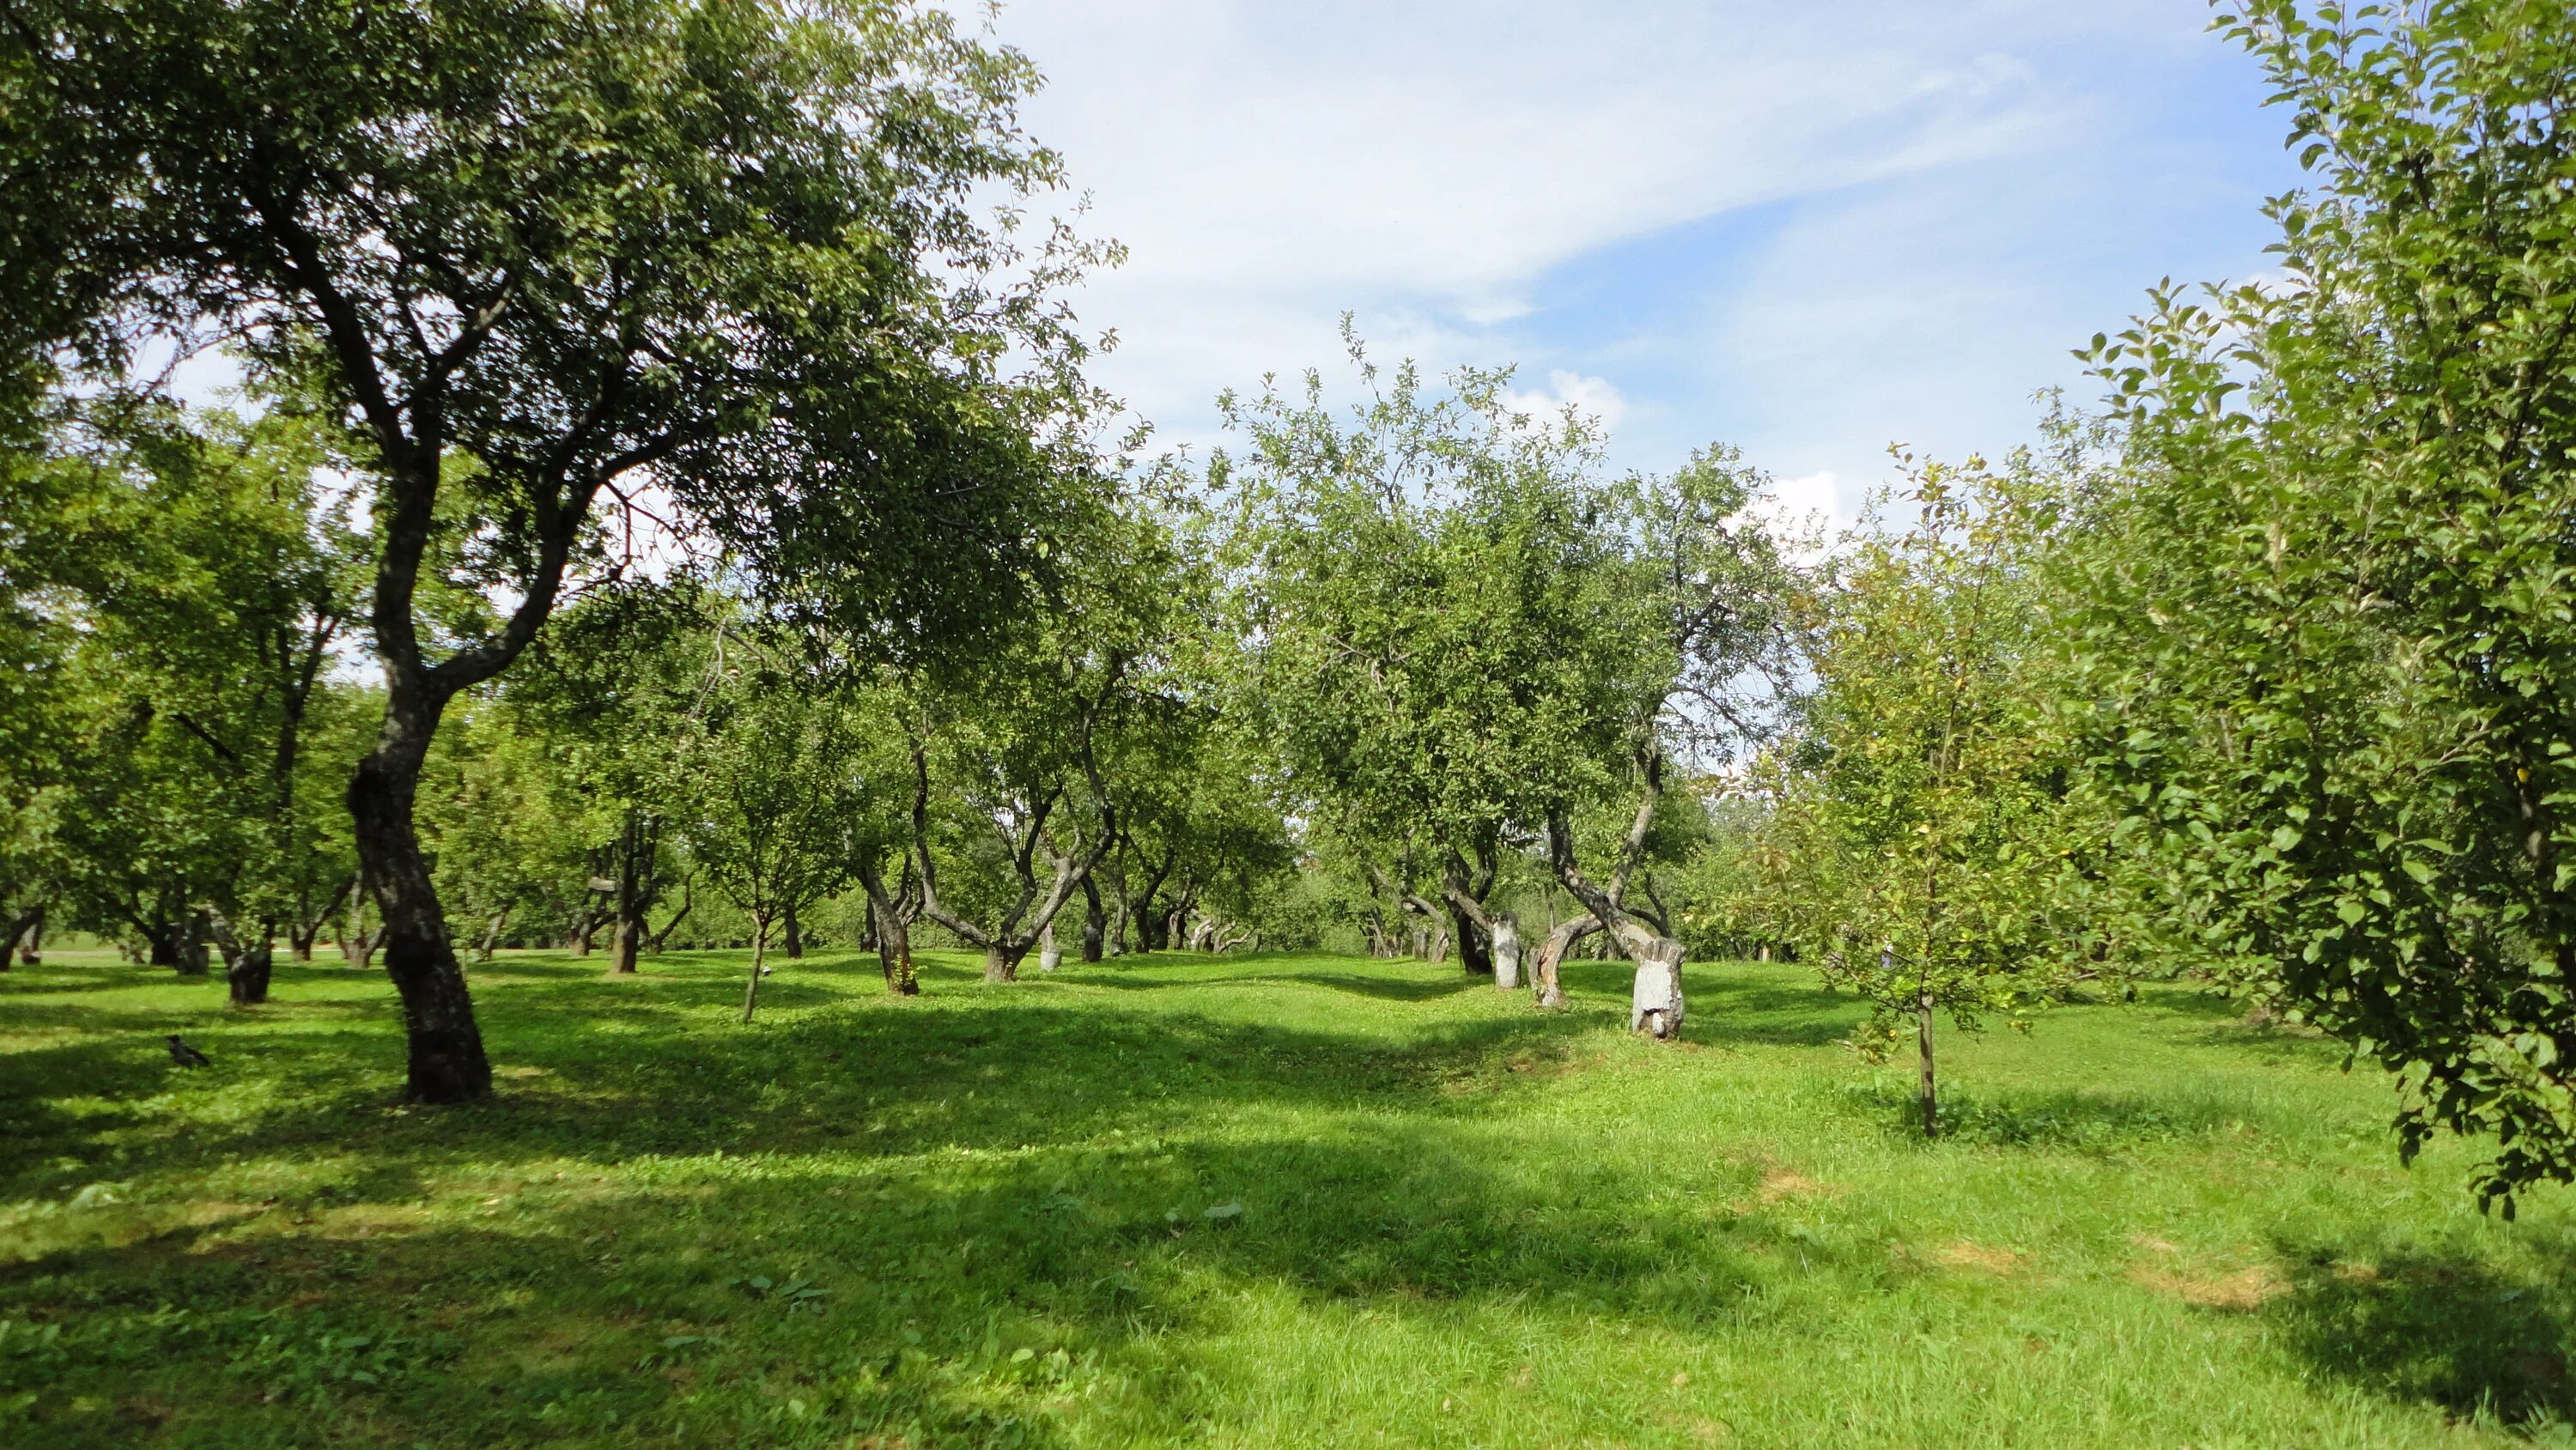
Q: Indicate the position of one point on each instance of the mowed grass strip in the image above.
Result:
(1255, 1201)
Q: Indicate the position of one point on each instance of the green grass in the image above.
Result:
(1263, 1201)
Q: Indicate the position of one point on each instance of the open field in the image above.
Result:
(1255, 1201)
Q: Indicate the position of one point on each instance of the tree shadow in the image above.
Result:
(2080, 1120)
(2444, 1329)
(958, 1180)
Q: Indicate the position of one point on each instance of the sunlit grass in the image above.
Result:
(1258, 1201)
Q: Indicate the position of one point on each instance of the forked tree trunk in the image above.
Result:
(894, 952)
(1002, 962)
(893, 932)
(446, 1048)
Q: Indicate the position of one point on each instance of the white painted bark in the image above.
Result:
(1655, 996)
(1507, 952)
(1050, 956)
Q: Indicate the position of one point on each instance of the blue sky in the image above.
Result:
(1806, 229)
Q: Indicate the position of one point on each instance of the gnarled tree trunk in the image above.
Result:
(1095, 921)
(1552, 954)
(446, 1047)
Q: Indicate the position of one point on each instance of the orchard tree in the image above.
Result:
(722, 267)
(775, 770)
(1013, 752)
(1917, 839)
(1426, 580)
(618, 684)
(210, 578)
(2328, 635)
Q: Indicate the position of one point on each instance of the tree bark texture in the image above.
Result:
(1095, 921)
(1002, 964)
(1552, 953)
(447, 1064)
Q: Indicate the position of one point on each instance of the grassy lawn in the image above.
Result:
(1260, 1201)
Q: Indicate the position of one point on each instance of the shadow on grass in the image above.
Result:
(2445, 1330)
(995, 1199)
(2054, 1119)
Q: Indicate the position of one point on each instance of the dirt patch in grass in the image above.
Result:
(1780, 1183)
(1968, 1254)
(2245, 1289)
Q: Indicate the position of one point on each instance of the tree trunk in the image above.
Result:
(1655, 995)
(1551, 955)
(446, 1047)
(492, 936)
(188, 945)
(794, 944)
(1506, 962)
(248, 973)
(893, 932)
(626, 944)
(759, 953)
(1095, 921)
(1923, 1049)
(894, 952)
(1002, 963)
(20, 944)
(1050, 956)
(1472, 953)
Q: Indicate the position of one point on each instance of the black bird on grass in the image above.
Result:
(186, 1056)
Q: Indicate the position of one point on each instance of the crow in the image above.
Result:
(186, 1056)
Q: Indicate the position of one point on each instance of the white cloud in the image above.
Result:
(1272, 166)
(1593, 398)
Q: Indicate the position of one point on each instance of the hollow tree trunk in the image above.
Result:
(446, 1047)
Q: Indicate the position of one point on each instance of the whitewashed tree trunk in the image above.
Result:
(1050, 956)
(1507, 951)
(1655, 997)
